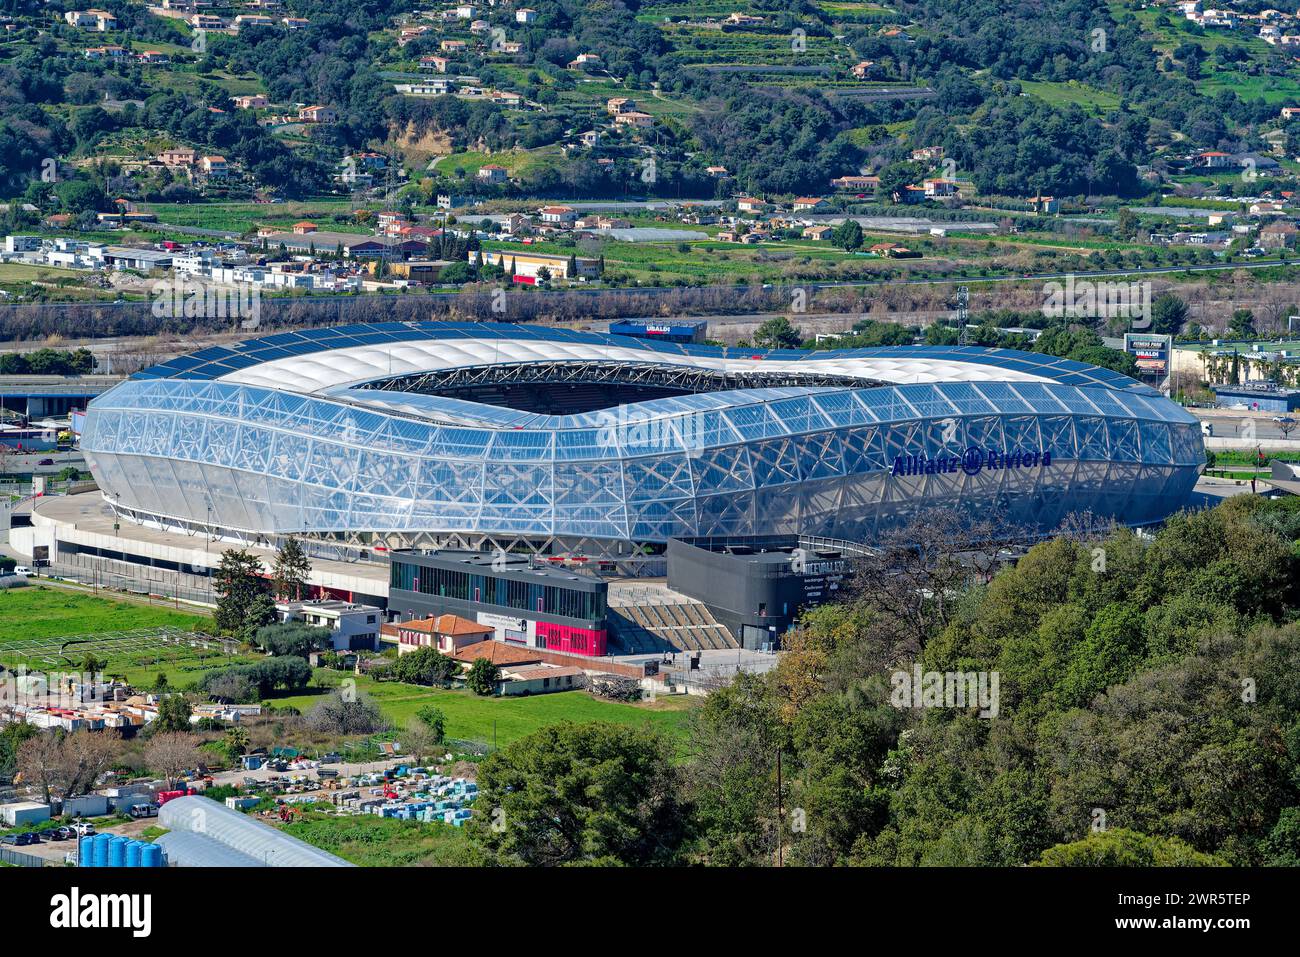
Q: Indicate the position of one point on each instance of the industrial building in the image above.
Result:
(205, 833)
(676, 330)
(1257, 397)
(521, 602)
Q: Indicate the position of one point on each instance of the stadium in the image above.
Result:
(484, 436)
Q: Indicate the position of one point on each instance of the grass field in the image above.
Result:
(239, 217)
(517, 162)
(17, 272)
(471, 718)
(1072, 93)
(34, 621)
(43, 612)
(370, 841)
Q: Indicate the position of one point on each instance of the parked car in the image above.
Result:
(138, 811)
(84, 829)
(67, 832)
(22, 570)
(45, 462)
(52, 834)
(21, 840)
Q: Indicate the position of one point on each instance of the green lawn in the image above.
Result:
(52, 614)
(1059, 94)
(471, 718)
(19, 272)
(44, 612)
(370, 841)
(242, 216)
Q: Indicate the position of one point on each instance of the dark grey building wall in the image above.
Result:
(756, 600)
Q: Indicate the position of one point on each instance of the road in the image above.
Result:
(1233, 423)
(344, 770)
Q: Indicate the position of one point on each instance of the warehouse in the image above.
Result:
(217, 836)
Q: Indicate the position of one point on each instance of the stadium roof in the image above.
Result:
(315, 360)
(341, 363)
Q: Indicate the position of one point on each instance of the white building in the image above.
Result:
(355, 627)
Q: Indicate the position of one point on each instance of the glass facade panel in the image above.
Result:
(178, 444)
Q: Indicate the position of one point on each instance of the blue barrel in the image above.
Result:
(151, 856)
(133, 853)
(101, 849)
(117, 851)
(86, 852)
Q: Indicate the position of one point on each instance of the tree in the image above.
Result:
(1168, 313)
(425, 666)
(261, 612)
(731, 781)
(290, 571)
(292, 638)
(434, 720)
(39, 760)
(347, 713)
(1126, 223)
(422, 740)
(1122, 847)
(173, 714)
(235, 744)
(238, 581)
(777, 333)
(1242, 324)
(64, 765)
(12, 736)
(171, 754)
(848, 235)
(581, 793)
(483, 677)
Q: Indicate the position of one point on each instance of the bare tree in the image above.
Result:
(64, 765)
(39, 759)
(419, 741)
(171, 754)
(918, 568)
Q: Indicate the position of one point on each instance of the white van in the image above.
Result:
(1207, 429)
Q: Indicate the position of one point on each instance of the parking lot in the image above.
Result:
(57, 851)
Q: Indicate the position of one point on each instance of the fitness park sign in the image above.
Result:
(972, 462)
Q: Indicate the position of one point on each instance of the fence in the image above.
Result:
(153, 584)
(19, 859)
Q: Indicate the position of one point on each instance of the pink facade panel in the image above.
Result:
(574, 641)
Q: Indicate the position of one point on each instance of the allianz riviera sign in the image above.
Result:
(973, 461)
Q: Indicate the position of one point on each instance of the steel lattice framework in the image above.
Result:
(666, 376)
(332, 434)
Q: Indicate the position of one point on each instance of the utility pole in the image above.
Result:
(963, 313)
(780, 812)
